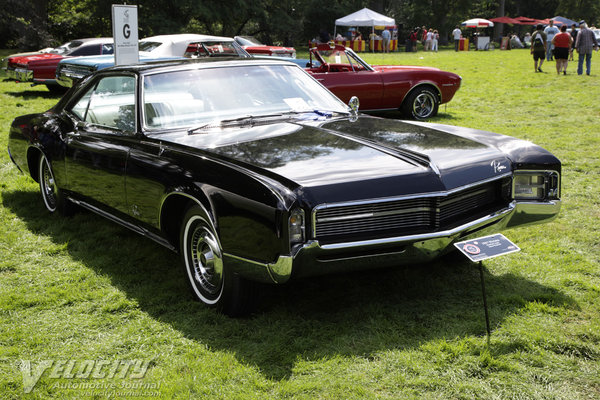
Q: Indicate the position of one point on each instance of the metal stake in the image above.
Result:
(485, 306)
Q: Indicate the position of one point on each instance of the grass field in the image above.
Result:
(82, 291)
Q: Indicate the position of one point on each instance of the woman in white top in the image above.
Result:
(434, 42)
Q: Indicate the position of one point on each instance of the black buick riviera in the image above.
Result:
(254, 172)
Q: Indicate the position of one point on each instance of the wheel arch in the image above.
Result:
(422, 85)
(173, 209)
(33, 157)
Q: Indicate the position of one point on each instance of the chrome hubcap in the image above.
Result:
(207, 262)
(423, 105)
(48, 188)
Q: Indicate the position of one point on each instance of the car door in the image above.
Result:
(98, 147)
(366, 85)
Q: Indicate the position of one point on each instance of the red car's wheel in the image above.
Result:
(421, 104)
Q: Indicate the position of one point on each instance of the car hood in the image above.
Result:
(108, 60)
(34, 57)
(397, 158)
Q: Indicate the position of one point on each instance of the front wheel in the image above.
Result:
(212, 281)
(421, 104)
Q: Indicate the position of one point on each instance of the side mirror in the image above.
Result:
(354, 103)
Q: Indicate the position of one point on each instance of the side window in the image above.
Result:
(110, 103)
(90, 50)
(107, 49)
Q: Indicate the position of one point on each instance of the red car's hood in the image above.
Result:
(24, 60)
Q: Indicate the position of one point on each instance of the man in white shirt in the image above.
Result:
(456, 33)
(550, 31)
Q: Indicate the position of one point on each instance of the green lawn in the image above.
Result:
(82, 288)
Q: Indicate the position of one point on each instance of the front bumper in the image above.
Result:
(314, 259)
(19, 74)
(69, 75)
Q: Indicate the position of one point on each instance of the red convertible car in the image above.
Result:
(254, 47)
(416, 91)
(41, 68)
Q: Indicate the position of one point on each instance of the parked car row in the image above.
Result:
(416, 91)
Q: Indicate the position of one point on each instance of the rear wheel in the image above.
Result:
(53, 198)
(212, 281)
(421, 104)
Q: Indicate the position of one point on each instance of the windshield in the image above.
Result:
(192, 98)
(339, 56)
(67, 47)
(148, 45)
(248, 41)
(213, 49)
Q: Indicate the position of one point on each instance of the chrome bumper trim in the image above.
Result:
(314, 258)
(426, 236)
(277, 272)
(23, 75)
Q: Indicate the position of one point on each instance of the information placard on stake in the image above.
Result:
(485, 247)
(480, 249)
(125, 34)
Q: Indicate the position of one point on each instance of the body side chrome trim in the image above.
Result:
(142, 231)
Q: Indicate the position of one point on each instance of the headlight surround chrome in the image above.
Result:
(297, 226)
(536, 185)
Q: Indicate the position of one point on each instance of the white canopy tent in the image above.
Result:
(364, 17)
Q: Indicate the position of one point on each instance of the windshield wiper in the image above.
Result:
(251, 120)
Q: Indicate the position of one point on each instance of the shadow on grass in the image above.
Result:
(35, 94)
(353, 315)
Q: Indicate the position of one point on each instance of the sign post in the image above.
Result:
(480, 249)
(125, 34)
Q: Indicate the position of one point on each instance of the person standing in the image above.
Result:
(434, 43)
(574, 33)
(538, 47)
(456, 33)
(429, 40)
(586, 42)
(562, 45)
(414, 39)
(386, 36)
(550, 31)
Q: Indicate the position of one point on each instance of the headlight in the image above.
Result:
(296, 226)
(536, 185)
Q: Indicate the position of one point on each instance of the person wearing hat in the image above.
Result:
(586, 42)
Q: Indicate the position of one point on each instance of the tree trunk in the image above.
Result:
(498, 28)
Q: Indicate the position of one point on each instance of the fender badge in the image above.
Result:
(498, 166)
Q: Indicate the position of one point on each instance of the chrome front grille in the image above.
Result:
(405, 216)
